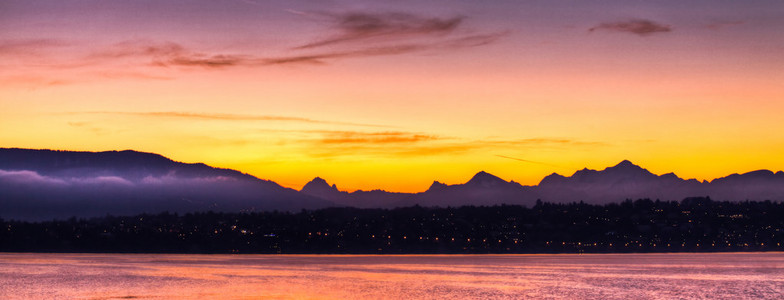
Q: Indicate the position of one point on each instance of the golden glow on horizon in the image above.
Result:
(399, 108)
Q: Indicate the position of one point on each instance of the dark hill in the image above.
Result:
(46, 184)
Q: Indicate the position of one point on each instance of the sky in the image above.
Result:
(395, 94)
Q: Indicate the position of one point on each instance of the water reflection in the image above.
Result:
(601, 276)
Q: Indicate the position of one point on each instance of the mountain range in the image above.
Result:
(47, 184)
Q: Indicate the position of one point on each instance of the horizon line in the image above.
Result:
(290, 186)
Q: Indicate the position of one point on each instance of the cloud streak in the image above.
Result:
(361, 34)
(170, 54)
(543, 142)
(28, 46)
(397, 49)
(719, 25)
(29, 177)
(349, 35)
(165, 54)
(640, 27)
(525, 160)
(226, 117)
(362, 26)
(406, 144)
(376, 138)
(335, 143)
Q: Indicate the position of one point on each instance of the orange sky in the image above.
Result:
(396, 95)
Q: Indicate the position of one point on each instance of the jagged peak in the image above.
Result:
(628, 168)
(485, 178)
(318, 184)
(670, 175)
(552, 178)
(437, 186)
(584, 171)
(762, 173)
(625, 164)
(319, 180)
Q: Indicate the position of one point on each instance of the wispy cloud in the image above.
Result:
(394, 49)
(363, 34)
(34, 80)
(349, 35)
(718, 25)
(29, 46)
(398, 149)
(544, 142)
(131, 74)
(525, 160)
(165, 54)
(403, 143)
(362, 26)
(169, 54)
(26, 176)
(639, 27)
(103, 180)
(42, 62)
(91, 127)
(87, 179)
(226, 117)
(338, 143)
(320, 58)
(354, 137)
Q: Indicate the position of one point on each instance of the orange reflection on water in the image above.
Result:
(606, 276)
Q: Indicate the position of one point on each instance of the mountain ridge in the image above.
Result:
(45, 184)
(53, 183)
(624, 180)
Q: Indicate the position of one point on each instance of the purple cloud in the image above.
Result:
(102, 180)
(172, 179)
(220, 117)
(639, 27)
(28, 177)
(361, 26)
(388, 49)
(165, 54)
(28, 46)
(718, 25)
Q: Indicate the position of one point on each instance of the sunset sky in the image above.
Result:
(395, 94)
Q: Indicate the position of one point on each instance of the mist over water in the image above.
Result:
(599, 276)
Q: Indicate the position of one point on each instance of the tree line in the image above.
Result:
(690, 225)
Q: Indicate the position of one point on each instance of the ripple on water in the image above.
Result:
(604, 276)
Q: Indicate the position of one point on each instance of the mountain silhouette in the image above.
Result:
(487, 180)
(755, 185)
(482, 189)
(46, 184)
(319, 187)
(436, 186)
(622, 181)
(624, 172)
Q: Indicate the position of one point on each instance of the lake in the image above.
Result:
(564, 276)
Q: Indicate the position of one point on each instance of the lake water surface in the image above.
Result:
(596, 276)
